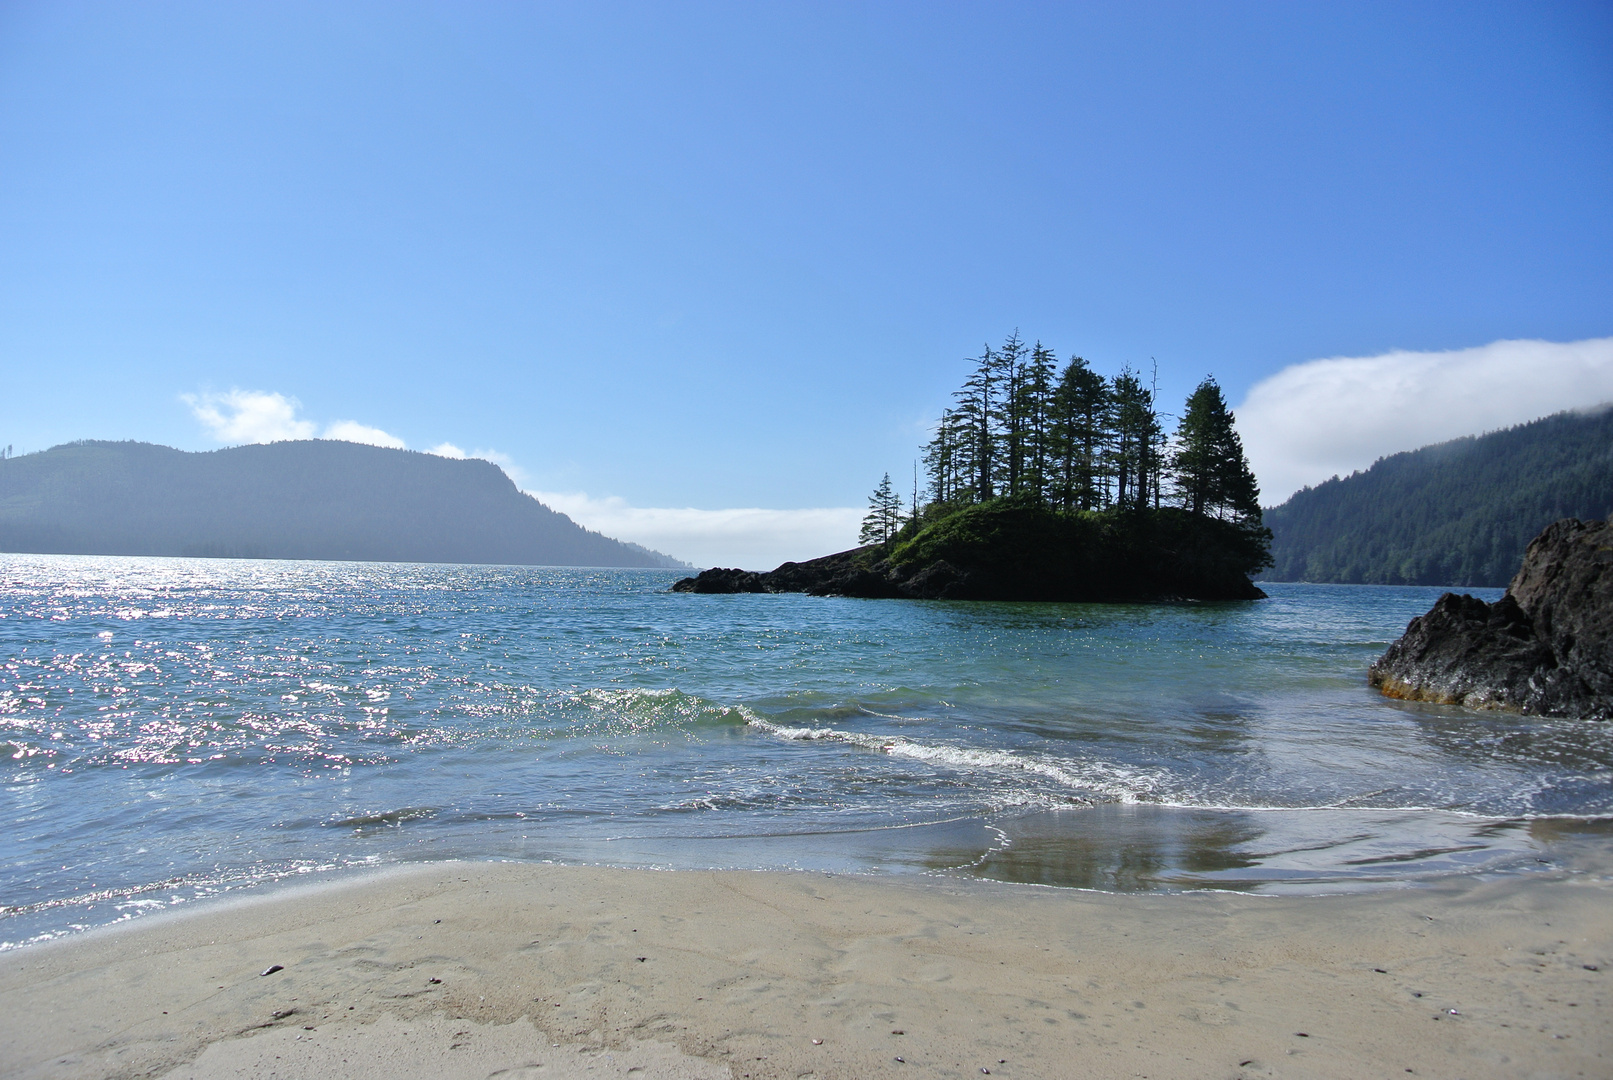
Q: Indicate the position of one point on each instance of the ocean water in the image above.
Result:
(171, 729)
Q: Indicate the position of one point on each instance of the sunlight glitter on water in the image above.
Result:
(213, 722)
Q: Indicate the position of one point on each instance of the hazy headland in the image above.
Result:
(304, 499)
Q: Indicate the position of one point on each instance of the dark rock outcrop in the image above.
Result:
(1545, 648)
(720, 580)
(858, 572)
(1007, 550)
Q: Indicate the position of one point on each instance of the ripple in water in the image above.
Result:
(170, 728)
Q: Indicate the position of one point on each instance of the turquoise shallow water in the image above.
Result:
(174, 728)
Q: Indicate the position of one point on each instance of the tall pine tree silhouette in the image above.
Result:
(1212, 476)
(884, 515)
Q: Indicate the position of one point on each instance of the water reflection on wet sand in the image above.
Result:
(1140, 847)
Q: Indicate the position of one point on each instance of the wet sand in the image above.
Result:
(476, 969)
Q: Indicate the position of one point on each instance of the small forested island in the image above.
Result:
(1049, 484)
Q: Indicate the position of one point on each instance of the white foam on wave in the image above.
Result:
(1096, 782)
(638, 708)
(1093, 780)
(134, 901)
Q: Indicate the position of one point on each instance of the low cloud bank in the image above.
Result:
(1330, 417)
(752, 538)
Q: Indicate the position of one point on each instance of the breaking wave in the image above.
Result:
(1076, 780)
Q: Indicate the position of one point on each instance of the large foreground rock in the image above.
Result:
(1546, 647)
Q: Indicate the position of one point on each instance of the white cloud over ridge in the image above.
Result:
(260, 416)
(750, 537)
(1322, 418)
(241, 416)
(502, 460)
(249, 416)
(352, 431)
(756, 539)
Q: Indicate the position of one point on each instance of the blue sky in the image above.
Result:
(730, 257)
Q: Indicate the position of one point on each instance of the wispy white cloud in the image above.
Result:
(1330, 417)
(249, 416)
(516, 474)
(352, 431)
(753, 538)
(502, 460)
(260, 416)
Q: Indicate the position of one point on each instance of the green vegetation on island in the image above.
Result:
(1083, 442)
(1065, 484)
(308, 499)
(1458, 513)
(1049, 484)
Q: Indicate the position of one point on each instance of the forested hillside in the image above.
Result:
(1459, 513)
(310, 499)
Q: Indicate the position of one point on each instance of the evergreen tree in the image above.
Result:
(1212, 477)
(891, 511)
(1036, 393)
(943, 461)
(1158, 444)
(1010, 417)
(976, 415)
(1134, 440)
(1084, 442)
(1081, 411)
(884, 515)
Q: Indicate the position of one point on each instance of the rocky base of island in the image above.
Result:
(1544, 648)
(1011, 550)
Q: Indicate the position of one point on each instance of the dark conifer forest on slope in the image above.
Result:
(307, 499)
(1459, 513)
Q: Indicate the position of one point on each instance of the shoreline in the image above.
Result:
(1125, 850)
(1121, 849)
(599, 971)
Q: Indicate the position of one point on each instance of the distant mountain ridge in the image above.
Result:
(305, 499)
(1458, 513)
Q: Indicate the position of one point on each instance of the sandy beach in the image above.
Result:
(483, 969)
